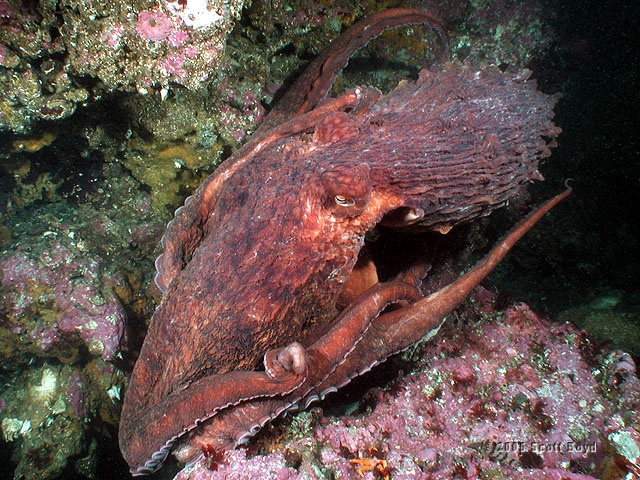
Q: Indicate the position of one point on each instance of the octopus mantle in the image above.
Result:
(263, 260)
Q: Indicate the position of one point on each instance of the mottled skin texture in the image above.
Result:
(263, 254)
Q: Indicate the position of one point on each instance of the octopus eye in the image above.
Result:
(344, 201)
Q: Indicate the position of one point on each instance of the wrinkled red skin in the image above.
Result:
(264, 252)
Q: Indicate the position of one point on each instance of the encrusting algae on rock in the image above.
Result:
(167, 169)
(66, 274)
(44, 413)
(58, 286)
(55, 54)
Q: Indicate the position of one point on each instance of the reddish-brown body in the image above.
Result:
(259, 257)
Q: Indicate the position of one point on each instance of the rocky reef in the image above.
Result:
(499, 394)
(53, 54)
(66, 306)
(47, 413)
(53, 281)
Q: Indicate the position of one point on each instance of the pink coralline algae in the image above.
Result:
(174, 65)
(239, 112)
(154, 25)
(124, 45)
(52, 300)
(509, 395)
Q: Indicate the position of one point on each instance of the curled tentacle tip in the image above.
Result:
(294, 356)
(279, 361)
(567, 183)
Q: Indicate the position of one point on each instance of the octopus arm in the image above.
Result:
(313, 84)
(146, 436)
(326, 355)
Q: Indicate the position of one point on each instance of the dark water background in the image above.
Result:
(596, 247)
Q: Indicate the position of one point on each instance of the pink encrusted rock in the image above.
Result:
(270, 466)
(511, 394)
(126, 46)
(53, 300)
(154, 25)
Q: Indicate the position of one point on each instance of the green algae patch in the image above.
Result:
(170, 170)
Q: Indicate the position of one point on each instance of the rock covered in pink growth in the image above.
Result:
(240, 111)
(154, 25)
(177, 38)
(270, 466)
(624, 442)
(511, 396)
(622, 430)
(127, 46)
(53, 299)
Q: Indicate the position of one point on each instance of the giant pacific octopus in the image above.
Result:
(263, 263)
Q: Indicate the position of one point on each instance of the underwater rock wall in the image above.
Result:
(57, 56)
(53, 53)
(71, 285)
(57, 284)
(47, 414)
